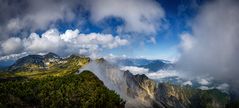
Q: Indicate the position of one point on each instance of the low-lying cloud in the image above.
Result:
(135, 70)
(153, 75)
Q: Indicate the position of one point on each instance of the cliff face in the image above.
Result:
(165, 95)
(141, 92)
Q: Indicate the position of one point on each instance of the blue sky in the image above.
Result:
(153, 32)
(201, 34)
(178, 14)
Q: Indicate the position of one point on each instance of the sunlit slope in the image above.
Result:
(84, 90)
(36, 66)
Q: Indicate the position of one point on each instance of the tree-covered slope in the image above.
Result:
(84, 90)
(36, 66)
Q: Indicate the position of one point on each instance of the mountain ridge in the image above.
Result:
(137, 90)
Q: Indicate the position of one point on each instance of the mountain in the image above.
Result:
(152, 65)
(157, 65)
(6, 63)
(40, 66)
(131, 61)
(83, 90)
(165, 95)
(141, 92)
(34, 62)
(52, 81)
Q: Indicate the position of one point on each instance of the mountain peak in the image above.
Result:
(51, 55)
(28, 62)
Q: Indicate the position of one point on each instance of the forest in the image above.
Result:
(75, 90)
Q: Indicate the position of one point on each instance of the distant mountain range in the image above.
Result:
(36, 71)
(152, 65)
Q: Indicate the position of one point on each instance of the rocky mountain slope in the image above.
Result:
(165, 95)
(137, 90)
(140, 91)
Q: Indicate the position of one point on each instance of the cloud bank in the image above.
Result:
(31, 15)
(70, 42)
(19, 20)
(215, 47)
(24, 16)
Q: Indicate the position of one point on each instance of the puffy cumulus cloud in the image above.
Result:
(48, 41)
(70, 42)
(141, 16)
(216, 47)
(135, 70)
(12, 45)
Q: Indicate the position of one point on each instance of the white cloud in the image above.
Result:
(69, 35)
(70, 42)
(135, 70)
(216, 47)
(49, 41)
(223, 87)
(40, 14)
(204, 88)
(203, 82)
(142, 16)
(188, 83)
(13, 56)
(162, 74)
(11, 45)
(186, 42)
(153, 75)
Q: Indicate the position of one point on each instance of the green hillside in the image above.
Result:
(84, 90)
(35, 70)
